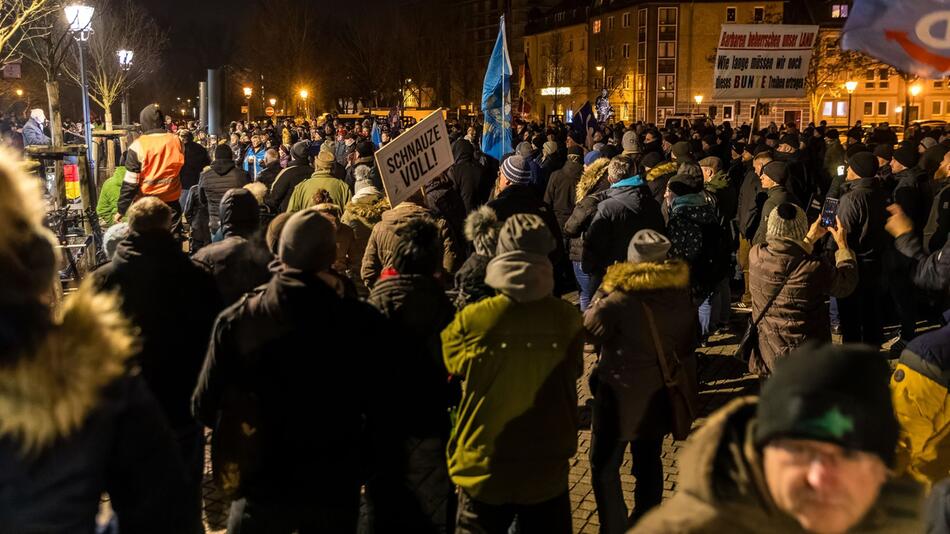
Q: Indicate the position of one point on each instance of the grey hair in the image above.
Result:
(618, 169)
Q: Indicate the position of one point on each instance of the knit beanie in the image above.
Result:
(864, 164)
(575, 151)
(223, 152)
(681, 151)
(301, 149)
(906, 156)
(790, 140)
(549, 148)
(307, 242)
(524, 149)
(652, 159)
(113, 236)
(629, 143)
(591, 157)
(516, 169)
(788, 221)
(481, 229)
(324, 160)
(884, 151)
(712, 162)
(525, 233)
(685, 184)
(833, 394)
(363, 176)
(365, 149)
(521, 268)
(928, 142)
(418, 248)
(648, 246)
(777, 171)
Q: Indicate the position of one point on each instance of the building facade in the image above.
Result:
(556, 48)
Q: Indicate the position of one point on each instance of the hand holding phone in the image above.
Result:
(829, 213)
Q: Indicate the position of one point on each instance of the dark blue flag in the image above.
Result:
(911, 35)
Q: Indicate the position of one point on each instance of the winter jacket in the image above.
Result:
(238, 262)
(468, 176)
(722, 487)
(33, 134)
(152, 163)
(697, 238)
(562, 190)
(800, 184)
(910, 194)
(470, 281)
(109, 196)
(196, 159)
(587, 194)
(919, 392)
(361, 214)
(197, 214)
(835, 159)
(751, 201)
(214, 183)
(370, 162)
(862, 213)
(627, 208)
(659, 177)
(77, 424)
(278, 198)
(443, 199)
(173, 303)
(302, 197)
(726, 198)
(938, 219)
(253, 161)
(800, 312)
(776, 196)
(516, 429)
(264, 348)
(929, 272)
(269, 173)
(383, 238)
(628, 387)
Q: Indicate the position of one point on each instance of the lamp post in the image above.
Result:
(850, 86)
(603, 71)
(699, 101)
(247, 101)
(19, 92)
(79, 18)
(125, 63)
(273, 102)
(306, 109)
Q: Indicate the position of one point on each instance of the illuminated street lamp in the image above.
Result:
(247, 101)
(19, 92)
(273, 102)
(306, 108)
(850, 86)
(915, 89)
(79, 18)
(125, 63)
(601, 69)
(699, 101)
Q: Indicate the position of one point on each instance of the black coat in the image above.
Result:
(751, 199)
(910, 192)
(938, 221)
(775, 197)
(269, 173)
(468, 176)
(196, 159)
(278, 197)
(173, 302)
(862, 211)
(470, 281)
(445, 202)
(302, 350)
(562, 190)
(214, 183)
(623, 212)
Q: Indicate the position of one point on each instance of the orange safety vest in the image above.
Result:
(162, 158)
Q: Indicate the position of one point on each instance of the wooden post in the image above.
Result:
(56, 134)
(755, 120)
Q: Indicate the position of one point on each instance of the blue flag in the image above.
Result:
(911, 35)
(496, 100)
(584, 123)
(376, 135)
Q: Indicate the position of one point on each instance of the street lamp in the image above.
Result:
(247, 99)
(306, 108)
(699, 101)
(125, 63)
(601, 69)
(850, 86)
(19, 92)
(79, 18)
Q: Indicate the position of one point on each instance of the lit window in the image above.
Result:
(841, 108)
(596, 26)
(839, 11)
(730, 14)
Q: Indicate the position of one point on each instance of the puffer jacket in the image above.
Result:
(628, 384)
(561, 190)
(361, 214)
(659, 176)
(468, 176)
(77, 424)
(693, 225)
(722, 487)
(587, 194)
(278, 197)
(214, 183)
(800, 312)
(627, 208)
(382, 241)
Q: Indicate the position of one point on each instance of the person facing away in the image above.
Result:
(215, 181)
(76, 421)
(811, 454)
(519, 355)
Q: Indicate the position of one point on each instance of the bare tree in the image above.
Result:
(48, 46)
(119, 25)
(18, 23)
(557, 64)
(829, 63)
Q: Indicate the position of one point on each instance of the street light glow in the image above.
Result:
(79, 18)
(850, 85)
(19, 92)
(599, 68)
(898, 109)
(247, 92)
(273, 101)
(304, 94)
(698, 99)
(915, 89)
(125, 58)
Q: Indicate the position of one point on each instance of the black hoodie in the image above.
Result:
(214, 183)
(468, 176)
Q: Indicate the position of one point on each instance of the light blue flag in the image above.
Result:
(496, 100)
(911, 35)
(376, 135)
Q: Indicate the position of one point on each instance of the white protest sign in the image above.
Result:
(418, 155)
(763, 60)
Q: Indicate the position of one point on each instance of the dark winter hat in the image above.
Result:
(832, 133)
(760, 148)
(578, 137)
(777, 171)
(239, 212)
(300, 150)
(307, 242)
(223, 152)
(575, 151)
(834, 394)
(524, 149)
(648, 246)
(906, 156)
(524, 232)
(855, 133)
(884, 151)
(685, 184)
(864, 164)
(115, 234)
(481, 229)
(790, 140)
(710, 140)
(365, 149)
(651, 160)
(681, 151)
(788, 221)
(739, 146)
(418, 248)
(516, 169)
(591, 157)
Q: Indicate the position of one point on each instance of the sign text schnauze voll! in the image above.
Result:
(414, 158)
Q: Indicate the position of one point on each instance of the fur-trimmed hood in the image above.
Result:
(630, 277)
(48, 394)
(662, 169)
(368, 208)
(590, 177)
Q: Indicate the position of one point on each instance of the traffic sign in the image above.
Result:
(269, 111)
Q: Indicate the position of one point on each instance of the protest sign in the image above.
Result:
(763, 60)
(418, 155)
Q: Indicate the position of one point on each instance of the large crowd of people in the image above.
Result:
(351, 364)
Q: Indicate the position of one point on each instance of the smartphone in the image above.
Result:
(829, 212)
